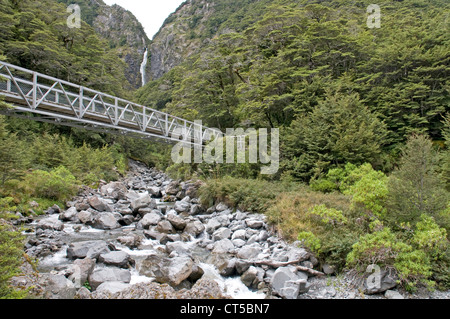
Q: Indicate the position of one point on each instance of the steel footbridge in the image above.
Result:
(44, 98)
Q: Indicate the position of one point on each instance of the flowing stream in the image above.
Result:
(232, 286)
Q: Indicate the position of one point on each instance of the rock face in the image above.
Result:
(124, 33)
(90, 249)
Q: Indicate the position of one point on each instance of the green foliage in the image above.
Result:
(245, 194)
(369, 190)
(430, 238)
(41, 40)
(383, 248)
(11, 253)
(309, 240)
(328, 215)
(416, 187)
(58, 184)
(12, 150)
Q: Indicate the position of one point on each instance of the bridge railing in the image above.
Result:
(48, 96)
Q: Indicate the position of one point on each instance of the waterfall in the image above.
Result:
(143, 66)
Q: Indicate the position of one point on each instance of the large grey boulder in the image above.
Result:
(173, 188)
(378, 283)
(51, 224)
(90, 249)
(182, 206)
(154, 191)
(254, 223)
(85, 217)
(106, 221)
(223, 246)
(150, 219)
(112, 287)
(142, 201)
(81, 270)
(167, 270)
(56, 286)
(180, 269)
(252, 276)
(249, 251)
(221, 233)
(287, 282)
(164, 226)
(101, 275)
(116, 190)
(99, 204)
(115, 258)
(178, 222)
(194, 228)
(70, 215)
(239, 234)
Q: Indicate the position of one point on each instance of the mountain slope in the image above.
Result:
(125, 35)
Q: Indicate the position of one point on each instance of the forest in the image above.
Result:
(363, 113)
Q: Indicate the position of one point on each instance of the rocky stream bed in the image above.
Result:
(146, 236)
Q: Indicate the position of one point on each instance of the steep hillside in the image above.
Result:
(124, 33)
(193, 25)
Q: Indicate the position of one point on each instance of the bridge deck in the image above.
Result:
(52, 99)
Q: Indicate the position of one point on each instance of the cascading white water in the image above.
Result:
(143, 66)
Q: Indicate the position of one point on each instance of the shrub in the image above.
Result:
(58, 184)
(323, 185)
(309, 240)
(328, 215)
(430, 237)
(384, 249)
(11, 252)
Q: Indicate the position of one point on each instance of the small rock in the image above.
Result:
(392, 294)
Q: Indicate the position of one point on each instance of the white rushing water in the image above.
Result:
(143, 66)
(232, 286)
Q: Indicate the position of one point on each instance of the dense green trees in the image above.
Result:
(289, 63)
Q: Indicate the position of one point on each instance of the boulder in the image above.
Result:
(182, 206)
(173, 188)
(288, 277)
(86, 217)
(221, 207)
(252, 276)
(392, 294)
(81, 270)
(70, 215)
(101, 275)
(167, 270)
(106, 221)
(249, 252)
(239, 234)
(115, 258)
(194, 228)
(254, 223)
(131, 241)
(116, 190)
(51, 224)
(223, 246)
(375, 284)
(180, 268)
(112, 287)
(99, 204)
(142, 201)
(90, 249)
(178, 222)
(154, 191)
(179, 247)
(56, 287)
(164, 226)
(150, 219)
(213, 224)
(221, 233)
